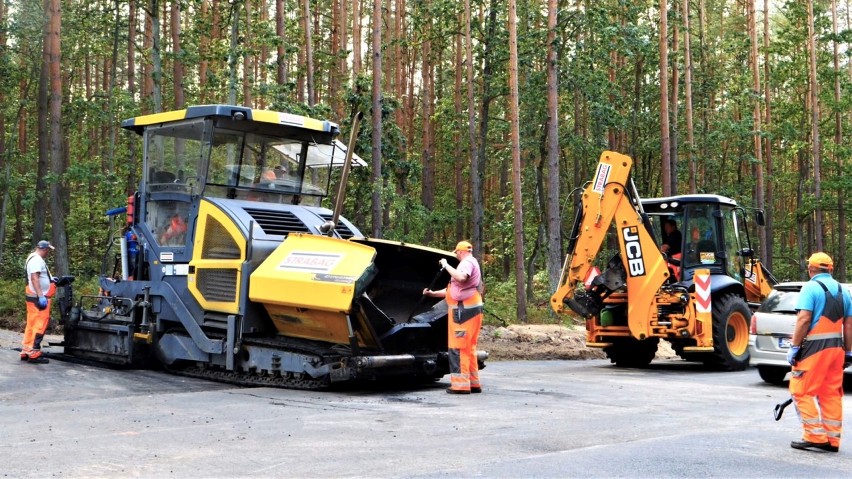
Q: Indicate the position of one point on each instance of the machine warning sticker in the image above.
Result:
(310, 261)
(334, 278)
(601, 178)
(291, 119)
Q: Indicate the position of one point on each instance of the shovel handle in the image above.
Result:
(779, 408)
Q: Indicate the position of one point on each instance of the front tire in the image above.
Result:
(730, 334)
(773, 374)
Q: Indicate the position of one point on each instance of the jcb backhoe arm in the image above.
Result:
(611, 197)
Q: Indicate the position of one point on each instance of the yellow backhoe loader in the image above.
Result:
(697, 295)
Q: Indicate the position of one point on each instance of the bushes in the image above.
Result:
(13, 313)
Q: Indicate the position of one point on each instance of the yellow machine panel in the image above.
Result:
(311, 272)
(218, 255)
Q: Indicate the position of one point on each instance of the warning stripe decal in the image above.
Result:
(702, 291)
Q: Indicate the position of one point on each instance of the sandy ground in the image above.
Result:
(515, 342)
(544, 341)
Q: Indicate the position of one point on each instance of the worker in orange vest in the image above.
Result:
(40, 288)
(464, 307)
(175, 232)
(819, 354)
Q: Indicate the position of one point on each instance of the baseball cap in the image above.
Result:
(463, 246)
(44, 244)
(821, 260)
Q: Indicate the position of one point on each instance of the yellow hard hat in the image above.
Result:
(821, 260)
(463, 246)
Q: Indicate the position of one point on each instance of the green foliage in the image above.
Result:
(609, 86)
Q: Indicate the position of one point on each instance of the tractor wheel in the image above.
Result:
(730, 334)
(632, 353)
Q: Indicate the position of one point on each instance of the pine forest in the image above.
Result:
(483, 119)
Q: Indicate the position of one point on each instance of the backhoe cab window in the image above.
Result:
(701, 236)
(268, 169)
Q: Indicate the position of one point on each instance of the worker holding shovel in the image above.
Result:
(464, 301)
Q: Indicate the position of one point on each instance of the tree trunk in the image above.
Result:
(376, 178)
(399, 83)
(457, 135)
(5, 165)
(147, 74)
(664, 101)
(356, 39)
(309, 53)
(40, 207)
(478, 169)
(687, 80)
(261, 71)
(334, 71)
(232, 54)
(131, 89)
(281, 73)
(673, 155)
(428, 192)
(58, 209)
(204, 51)
(840, 261)
(815, 138)
(517, 200)
(757, 169)
(770, 187)
(473, 151)
(177, 67)
(248, 57)
(156, 63)
(554, 221)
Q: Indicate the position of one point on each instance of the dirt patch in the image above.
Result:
(544, 341)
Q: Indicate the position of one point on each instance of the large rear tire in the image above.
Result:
(730, 334)
(632, 353)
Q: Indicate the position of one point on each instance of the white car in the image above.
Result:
(772, 330)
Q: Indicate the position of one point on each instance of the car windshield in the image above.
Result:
(780, 301)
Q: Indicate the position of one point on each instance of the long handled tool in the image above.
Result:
(779, 408)
(422, 297)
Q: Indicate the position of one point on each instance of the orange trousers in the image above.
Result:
(816, 385)
(37, 322)
(462, 337)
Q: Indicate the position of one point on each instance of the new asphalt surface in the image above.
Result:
(534, 419)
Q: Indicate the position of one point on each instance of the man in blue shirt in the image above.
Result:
(819, 354)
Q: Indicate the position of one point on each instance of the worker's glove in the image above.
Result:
(791, 355)
(42, 303)
(443, 263)
(847, 360)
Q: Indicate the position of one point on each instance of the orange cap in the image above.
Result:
(463, 246)
(821, 260)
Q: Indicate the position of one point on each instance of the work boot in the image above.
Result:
(39, 360)
(457, 391)
(809, 446)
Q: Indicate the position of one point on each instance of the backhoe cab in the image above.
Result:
(694, 291)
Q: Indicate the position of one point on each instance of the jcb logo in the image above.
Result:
(635, 263)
